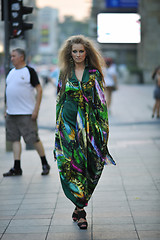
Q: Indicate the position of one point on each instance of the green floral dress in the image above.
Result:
(81, 135)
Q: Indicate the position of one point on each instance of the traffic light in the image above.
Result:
(17, 24)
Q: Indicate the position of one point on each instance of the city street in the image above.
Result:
(126, 202)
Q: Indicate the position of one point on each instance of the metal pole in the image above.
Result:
(6, 39)
(6, 51)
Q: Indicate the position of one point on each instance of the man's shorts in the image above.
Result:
(21, 125)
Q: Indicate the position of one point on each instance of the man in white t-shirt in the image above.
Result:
(22, 108)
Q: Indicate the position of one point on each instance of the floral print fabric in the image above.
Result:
(81, 136)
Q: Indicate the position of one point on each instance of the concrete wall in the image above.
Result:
(149, 48)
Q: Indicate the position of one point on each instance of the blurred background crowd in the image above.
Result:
(133, 45)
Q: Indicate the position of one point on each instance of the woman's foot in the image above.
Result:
(75, 215)
(82, 222)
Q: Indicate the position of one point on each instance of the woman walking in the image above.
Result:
(82, 123)
(156, 78)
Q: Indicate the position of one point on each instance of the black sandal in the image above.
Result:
(82, 225)
(75, 215)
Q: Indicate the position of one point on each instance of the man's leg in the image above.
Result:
(16, 170)
(40, 150)
(16, 146)
(39, 147)
(30, 136)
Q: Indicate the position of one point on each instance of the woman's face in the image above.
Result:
(78, 53)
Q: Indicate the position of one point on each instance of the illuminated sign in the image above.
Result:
(118, 28)
(122, 3)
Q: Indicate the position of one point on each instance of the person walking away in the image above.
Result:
(82, 123)
(110, 78)
(156, 94)
(22, 110)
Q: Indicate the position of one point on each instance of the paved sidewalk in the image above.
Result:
(126, 202)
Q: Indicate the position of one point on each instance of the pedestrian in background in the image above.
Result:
(82, 123)
(156, 78)
(22, 108)
(110, 78)
(55, 76)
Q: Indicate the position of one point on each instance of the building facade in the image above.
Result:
(48, 33)
(140, 58)
(149, 48)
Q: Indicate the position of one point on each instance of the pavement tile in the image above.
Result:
(103, 204)
(38, 195)
(148, 227)
(2, 229)
(146, 219)
(10, 196)
(145, 197)
(4, 222)
(11, 201)
(31, 212)
(113, 220)
(146, 235)
(126, 202)
(2, 217)
(114, 187)
(72, 228)
(111, 209)
(27, 229)
(112, 214)
(146, 213)
(37, 206)
(79, 235)
(107, 235)
(34, 216)
(4, 206)
(148, 207)
(29, 222)
(41, 201)
(7, 213)
(113, 227)
(139, 186)
(5, 190)
(26, 236)
(65, 221)
(64, 203)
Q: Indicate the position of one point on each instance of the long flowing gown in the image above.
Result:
(81, 135)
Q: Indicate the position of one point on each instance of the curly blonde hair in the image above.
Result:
(93, 55)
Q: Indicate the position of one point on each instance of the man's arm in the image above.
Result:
(38, 101)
